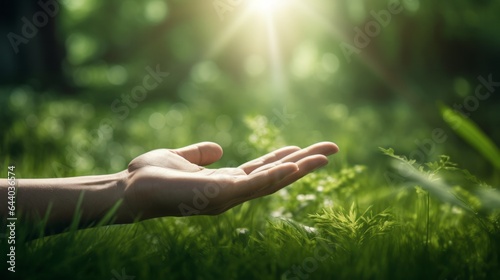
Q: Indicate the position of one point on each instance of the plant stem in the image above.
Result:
(428, 222)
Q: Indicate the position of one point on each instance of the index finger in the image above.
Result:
(247, 187)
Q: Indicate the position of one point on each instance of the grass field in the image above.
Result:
(370, 214)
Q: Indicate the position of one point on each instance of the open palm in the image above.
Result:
(174, 182)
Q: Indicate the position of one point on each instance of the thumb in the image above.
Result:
(203, 153)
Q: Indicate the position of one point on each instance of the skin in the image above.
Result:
(165, 182)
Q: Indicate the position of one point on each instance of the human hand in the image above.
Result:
(174, 182)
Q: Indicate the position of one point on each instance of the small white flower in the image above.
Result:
(242, 230)
(278, 212)
(310, 229)
(306, 197)
(456, 210)
(328, 203)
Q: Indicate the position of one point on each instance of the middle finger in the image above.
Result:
(250, 166)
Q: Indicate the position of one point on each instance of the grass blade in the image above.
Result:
(472, 134)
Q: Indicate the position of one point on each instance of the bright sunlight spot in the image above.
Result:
(267, 7)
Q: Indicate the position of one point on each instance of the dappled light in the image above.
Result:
(407, 90)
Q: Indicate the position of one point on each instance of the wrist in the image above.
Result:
(61, 196)
(123, 214)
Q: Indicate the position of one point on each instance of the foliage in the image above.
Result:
(334, 223)
(419, 215)
(349, 227)
(472, 134)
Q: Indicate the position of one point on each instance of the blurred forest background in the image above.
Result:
(241, 71)
(87, 85)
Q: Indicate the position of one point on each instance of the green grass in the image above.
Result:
(346, 221)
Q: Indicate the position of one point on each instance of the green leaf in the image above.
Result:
(472, 134)
(389, 151)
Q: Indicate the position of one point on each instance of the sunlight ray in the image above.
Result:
(391, 79)
(278, 77)
(318, 18)
(223, 39)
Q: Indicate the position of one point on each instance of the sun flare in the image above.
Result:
(267, 7)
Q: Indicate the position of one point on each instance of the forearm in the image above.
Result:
(35, 197)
